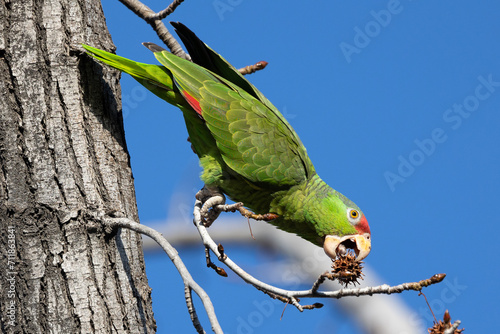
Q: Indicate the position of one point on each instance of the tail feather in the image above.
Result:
(157, 79)
(178, 81)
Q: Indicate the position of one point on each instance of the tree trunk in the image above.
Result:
(63, 162)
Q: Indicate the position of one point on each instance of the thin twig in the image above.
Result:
(453, 328)
(145, 13)
(164, 13)
(295, 303)
(428, 305)
(321, 279)
(253, 68)
(292, 296)
(154, 20)
(312, 306)
(189, 282)
(212, 265)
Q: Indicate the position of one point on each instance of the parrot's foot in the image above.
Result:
(212, 198)
(214, 203)
(247, 213)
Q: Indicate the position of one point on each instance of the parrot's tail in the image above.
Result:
(157, 79)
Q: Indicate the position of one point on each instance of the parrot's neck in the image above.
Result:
(301, 211)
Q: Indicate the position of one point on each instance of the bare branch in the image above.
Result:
(154, 20)
(189, 283)
(292, 297)
(145, 13)
(164, 13)
(385, 314)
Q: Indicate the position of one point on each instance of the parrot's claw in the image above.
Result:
(211, 197)
(214, 203)
(249, 214)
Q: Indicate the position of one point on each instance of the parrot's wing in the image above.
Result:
(201, 54)
(254, 138)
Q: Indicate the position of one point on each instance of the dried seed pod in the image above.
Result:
(347, 270)
(442, 325)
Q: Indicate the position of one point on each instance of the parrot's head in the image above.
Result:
(347, 229)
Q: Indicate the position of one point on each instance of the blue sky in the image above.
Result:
(398, 105)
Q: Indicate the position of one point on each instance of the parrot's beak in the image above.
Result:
(361, 244)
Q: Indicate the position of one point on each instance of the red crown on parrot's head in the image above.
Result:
(362, 226)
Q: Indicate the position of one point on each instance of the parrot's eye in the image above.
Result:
(353, 215)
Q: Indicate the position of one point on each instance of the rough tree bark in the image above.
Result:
(63, 159)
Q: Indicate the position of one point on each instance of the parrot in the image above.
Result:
(246, 148)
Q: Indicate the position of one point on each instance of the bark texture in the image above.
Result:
(63, 159)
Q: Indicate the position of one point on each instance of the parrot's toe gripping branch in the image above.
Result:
(214, 203)
(212, 198)
(245, 212)
(249, 214)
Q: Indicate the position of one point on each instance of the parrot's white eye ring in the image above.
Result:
(353, 215)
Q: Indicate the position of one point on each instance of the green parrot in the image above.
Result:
(246, 148)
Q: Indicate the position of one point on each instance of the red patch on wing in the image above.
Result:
(192, 102)
(362, 226)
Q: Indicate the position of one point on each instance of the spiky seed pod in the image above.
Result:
(443, 325)
(347, 270)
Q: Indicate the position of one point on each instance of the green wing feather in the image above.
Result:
(253, 138)
(202, 55)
